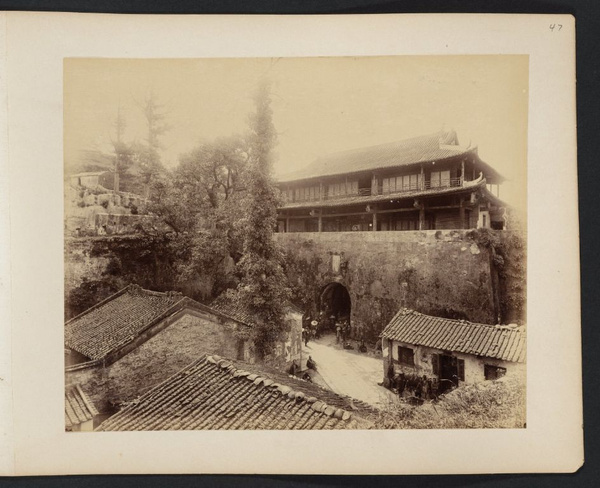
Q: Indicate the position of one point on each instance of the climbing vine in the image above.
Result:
(509, 258)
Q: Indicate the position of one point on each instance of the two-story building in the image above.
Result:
(424, 183)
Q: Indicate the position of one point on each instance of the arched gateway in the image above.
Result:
(334, 305)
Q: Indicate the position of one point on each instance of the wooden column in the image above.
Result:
(475, 214)
(463, 224)
(374, 218)
(320, 190)
(421, 215)
(320, 221)
(462, 173)
(287, 223)
(422, 177)
(374, 184)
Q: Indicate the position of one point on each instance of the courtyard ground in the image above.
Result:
(348, 372)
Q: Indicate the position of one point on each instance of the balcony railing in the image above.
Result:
(446, 183)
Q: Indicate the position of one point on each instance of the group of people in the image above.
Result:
(342, 331)
(413, 385)
(310, 330)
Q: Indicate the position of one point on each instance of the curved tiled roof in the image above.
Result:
(116, 321)
(78, 407)
(215, 393)
(431, 147)
(492, 341)
(230, 306)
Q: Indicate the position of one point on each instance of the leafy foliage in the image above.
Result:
(262, 290)
(200, 202)
(499, 404)
(509, 257)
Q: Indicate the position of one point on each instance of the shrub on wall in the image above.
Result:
(509, 258)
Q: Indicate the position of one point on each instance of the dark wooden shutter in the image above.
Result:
(461, 369)
(435, 363)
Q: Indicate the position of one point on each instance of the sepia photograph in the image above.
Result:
(294, 243)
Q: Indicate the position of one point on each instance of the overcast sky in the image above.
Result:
(320, 105)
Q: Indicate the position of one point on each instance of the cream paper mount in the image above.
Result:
(39, 51)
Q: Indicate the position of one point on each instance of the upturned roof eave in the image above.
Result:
(382, 198)
(291, 179)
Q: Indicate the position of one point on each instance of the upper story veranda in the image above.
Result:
(425, 165)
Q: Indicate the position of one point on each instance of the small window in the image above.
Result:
(493, 372)
(335, 263)
(440, 179)
(445, 177)
(460, 366)
(406, 356)
(413, 182)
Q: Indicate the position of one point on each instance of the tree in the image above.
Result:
(262, 290)
(123, 153)
(148, 154)
(200, 205)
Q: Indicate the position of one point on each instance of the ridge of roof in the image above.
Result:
(215, 393)
(225, 305)
(504, 342)
(98, 333)
(78, 407)
(436, 146)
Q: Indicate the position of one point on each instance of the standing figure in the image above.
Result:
(315, 328)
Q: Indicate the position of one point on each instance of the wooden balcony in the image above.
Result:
(363, 192)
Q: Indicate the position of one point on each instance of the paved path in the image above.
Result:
(349, 373)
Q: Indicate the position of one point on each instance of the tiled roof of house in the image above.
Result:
(214, 393)
(431, 147)
(492, 341)
(118, 320)
(364, 200)
(78, 407)
(229, 306)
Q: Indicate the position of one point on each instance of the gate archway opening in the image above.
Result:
(334, 305)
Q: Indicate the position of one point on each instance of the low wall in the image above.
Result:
(443, 273)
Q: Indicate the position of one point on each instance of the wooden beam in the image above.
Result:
(395, 210)
(344, 214)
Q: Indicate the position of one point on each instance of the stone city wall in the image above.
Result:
(442, 273)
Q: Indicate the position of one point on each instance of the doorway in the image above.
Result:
(451, 370)
(334, 305)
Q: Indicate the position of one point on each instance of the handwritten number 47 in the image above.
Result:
(555, 26)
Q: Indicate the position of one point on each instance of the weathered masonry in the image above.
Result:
(424, 183)
(445, 273)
